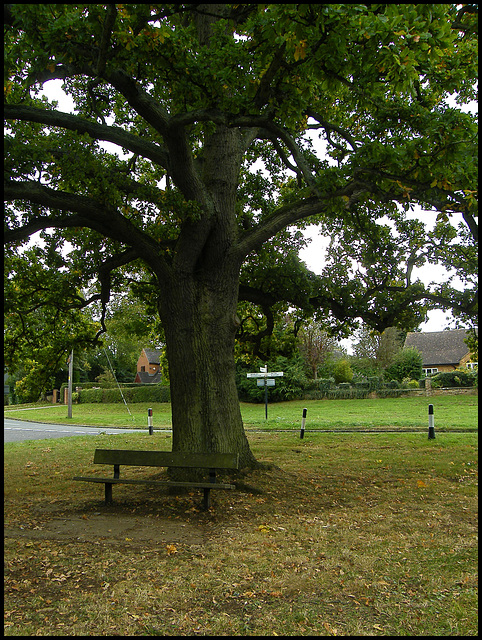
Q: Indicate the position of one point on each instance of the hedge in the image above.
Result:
(140, 393)
(284, 390)
(458, 378)
(343, 393)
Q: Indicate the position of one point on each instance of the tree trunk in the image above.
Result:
(200, 322)
(198, 311)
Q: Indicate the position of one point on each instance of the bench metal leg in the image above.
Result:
(207, 492)
(207, 499)
(108, 493)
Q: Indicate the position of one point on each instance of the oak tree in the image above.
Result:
(229, 128)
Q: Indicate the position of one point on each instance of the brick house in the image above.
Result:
(148, 367)
(441, 350)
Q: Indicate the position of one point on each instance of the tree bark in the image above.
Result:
(197, 307)
(199, 317)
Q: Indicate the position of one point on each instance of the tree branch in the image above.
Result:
(116, 135)
(283, 216)
(263, 92)
(327, 126)
(105, 270)
(88, 213)
(105, 40)
(264, 127)
(182, 169)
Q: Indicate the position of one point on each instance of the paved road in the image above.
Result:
(17, 430)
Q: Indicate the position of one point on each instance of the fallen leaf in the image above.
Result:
(330, 630)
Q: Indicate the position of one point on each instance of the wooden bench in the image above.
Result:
(118, 457)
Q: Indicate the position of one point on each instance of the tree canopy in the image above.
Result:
(230, 127)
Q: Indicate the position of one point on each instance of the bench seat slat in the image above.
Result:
(166, 459)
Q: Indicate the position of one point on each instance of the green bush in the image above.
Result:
(342, 371)
(389, 393)
(474, 376)
(393, 384)
(87, 396)
(458, 378)
(292, 386)
(362, 385)
(408, 383)
(406, 364)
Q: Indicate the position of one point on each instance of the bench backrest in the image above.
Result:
(167, 459)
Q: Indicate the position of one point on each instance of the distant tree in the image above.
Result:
(106, 376)
(130, 327)
(378, 348)
(43, 321)
(315, 346)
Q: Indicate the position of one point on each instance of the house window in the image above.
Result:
(143, 368)
(472, 365)
(430, 372)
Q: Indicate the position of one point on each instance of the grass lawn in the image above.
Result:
(345, 534)
(451, 412)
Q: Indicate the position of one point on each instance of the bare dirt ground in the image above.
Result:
(112, 528)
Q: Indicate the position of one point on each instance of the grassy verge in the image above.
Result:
(452, 413)
(350, 534)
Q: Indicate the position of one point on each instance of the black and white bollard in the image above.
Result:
(149, 421)
(431, 428)
(303, 420)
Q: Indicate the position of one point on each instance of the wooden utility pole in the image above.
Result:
(71, 372)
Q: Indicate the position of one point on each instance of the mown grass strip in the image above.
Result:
(451, 413)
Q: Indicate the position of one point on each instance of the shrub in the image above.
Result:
(458, 378)
(406, 364)
(291, 386)
(407, 383)
(342, 371)
(86, 396)
(474, 376)
(389, 392)
(393, 384)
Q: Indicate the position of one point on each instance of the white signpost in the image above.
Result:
(264, 379)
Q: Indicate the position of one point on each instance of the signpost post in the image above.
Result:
(264, 379)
